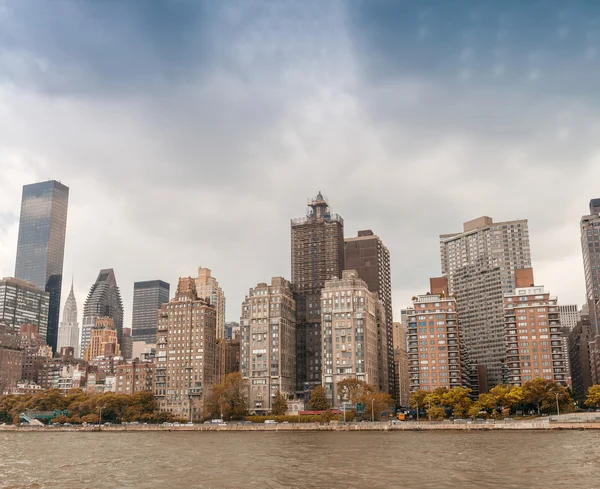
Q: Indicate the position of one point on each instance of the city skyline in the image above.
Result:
(340, 107)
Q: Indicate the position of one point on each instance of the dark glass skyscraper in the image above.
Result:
(148, 297)
(41, 244)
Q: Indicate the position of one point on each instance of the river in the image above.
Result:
(408, 460)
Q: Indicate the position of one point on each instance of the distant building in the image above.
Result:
(268, 345)
(349, 320)
(580, 338)
(35, 352)
(533, 337)
(401, 367)
(11, 356)
(590, 247)
(41, 246)
(148, 297)
(135, 376)
(103, 340)
(52, 369)
(23, 303)
(569, 315)
(208, 288)
(436, 351)
(68, 331)
(231, 329)
(317, 256)
(146, 352)
(188, 325)
(228, 358)
(127, 344)
(103, 300)
(480, 264)
(367, 254)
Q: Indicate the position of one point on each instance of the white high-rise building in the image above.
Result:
(569, 315)
(68, 331)
(590, 247)
(480, 264)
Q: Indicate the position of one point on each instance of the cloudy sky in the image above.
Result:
(191, 132)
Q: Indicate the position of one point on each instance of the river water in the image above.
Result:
(373, 460)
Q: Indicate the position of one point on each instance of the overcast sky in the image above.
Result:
(191, 132)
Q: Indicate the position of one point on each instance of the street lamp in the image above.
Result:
(429, 410)
(557, 408)
(100, 419)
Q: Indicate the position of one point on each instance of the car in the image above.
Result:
(189, 423)
(208, 422)
(217, 421)
(270, 421)
(67, 424)
(108, 423)
(285, 422)
(176, 424)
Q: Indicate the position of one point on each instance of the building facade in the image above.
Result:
(41, 245)
(35, 352)
(317, 253)
(590, 247)
(580, 338)
(349, 332)
(148, 297)
(133, 377)
(367, 254)
(185, 352)
(533, 337)
(228, 358)
(437, 358)
(480, 264)
(23, 303)
(569, 315)
(207, 287)
(68, 331)
(127, 344)
(268, 343)
(103, 340)
(103, 300)
(401, 365)
(11, 357)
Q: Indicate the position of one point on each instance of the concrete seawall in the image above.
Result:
(409, 426)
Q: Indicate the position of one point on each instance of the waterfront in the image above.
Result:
(207, 460)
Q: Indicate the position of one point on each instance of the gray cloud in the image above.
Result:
(191, 134)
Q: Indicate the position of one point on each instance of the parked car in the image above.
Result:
(217, 421)
(270, 421)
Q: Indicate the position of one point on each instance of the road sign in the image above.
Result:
(360, 407)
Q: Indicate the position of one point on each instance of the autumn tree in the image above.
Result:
(353, 390)
(229, 398)
(280, 406)
(376, 403)
(436, 413)
(318, 399)
(458, 400)
(417, 399)
(544, 393)
(593, 396)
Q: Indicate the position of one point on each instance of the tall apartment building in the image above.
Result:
(207, 287)
(68, 331)
(185, 352)
(436, 354)
(35, 352)
(268, 342)
(401, 365)
(228, 358)
(580, 338)
(569, 315)
(127, 344)
(23, 303)
(103, 300)
(480, 264)
(533, 336)
(349, 331)
(103, 340)
(11, 356)
(41, 245)
(590, 246)
(148, 297)
(367, 254)
(317, 256)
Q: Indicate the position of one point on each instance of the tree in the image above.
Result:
(458, 400)
(417, 399)
(593, 396)
(229, 398)
(376, 403)
(544, 393)
(318, 399)
(353, 390)
(436, 413)
(280, 406)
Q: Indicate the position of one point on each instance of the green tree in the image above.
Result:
(436, 413)
(280, 406)
(593, 396)
(318, 399)
(417, 399)
(458, 400)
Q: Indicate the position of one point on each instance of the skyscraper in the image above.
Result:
(590, 246)
(268, 342)
(148, 297)
(569, 315)
(41, 245)
(186, 324)
(480, 264)
(317, 256)
(103, 300)
(103, 340)
(23, 303)
(68, 331)
(367, 254)
(207, 287)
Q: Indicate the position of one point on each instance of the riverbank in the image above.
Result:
(538, 424)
